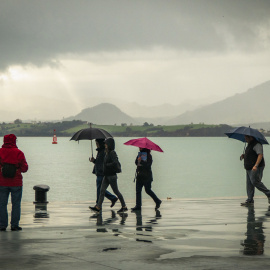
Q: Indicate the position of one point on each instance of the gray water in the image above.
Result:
(188, 168)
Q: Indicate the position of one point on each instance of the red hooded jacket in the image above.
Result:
(9, 153)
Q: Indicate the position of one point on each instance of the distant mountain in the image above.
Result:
(146, 111)
(103, 114)
(251, 106)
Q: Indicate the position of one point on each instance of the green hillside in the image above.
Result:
(68, 128)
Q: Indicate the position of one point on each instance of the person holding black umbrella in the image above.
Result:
(111, 167)
(254, 165)
(98, 171)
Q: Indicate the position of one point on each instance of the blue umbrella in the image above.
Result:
(240, 132)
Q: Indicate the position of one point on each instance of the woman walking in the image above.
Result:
(110, 168)
(98, 171)
(144, 178)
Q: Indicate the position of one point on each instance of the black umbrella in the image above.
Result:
(91, 134)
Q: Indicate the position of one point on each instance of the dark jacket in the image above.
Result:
(111, 158)
(98, 167)
(144, 170)
(9, 153)
(251, 156)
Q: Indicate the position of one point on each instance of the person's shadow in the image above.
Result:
(255, 238)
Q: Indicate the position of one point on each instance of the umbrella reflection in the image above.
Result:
(255, 238)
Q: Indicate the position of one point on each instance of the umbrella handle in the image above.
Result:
(91, 142)
(92, 148)
(244, 148)
(135, 177)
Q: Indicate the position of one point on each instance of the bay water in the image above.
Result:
(200, 167)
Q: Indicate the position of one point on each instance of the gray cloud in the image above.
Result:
(38, 32)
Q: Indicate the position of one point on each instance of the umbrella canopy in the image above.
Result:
(240, 132)
(91, 134)
(144, 143)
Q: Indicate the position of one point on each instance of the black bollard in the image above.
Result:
(41, 193)
(41, 201)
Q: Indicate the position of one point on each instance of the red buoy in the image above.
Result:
(54, 138)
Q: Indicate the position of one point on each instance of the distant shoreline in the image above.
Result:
(68, 128)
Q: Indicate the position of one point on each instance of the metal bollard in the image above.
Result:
(41, 193)
(41, 201)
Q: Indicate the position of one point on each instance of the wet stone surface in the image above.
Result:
(183, 234)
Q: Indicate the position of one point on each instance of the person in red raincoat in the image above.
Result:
(12, 165)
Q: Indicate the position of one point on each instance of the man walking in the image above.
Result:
(254, 165)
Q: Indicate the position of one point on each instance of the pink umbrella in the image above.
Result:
(144, 143)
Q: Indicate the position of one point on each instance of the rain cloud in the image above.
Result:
(39, 32)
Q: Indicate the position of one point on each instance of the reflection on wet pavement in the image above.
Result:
(189, 233)
(200, 227)
(181, 231)
(121, 218)
(40, 211)
(255, 238)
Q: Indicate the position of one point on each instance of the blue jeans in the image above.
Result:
(108, 195)
(16, 197)
(147, 186)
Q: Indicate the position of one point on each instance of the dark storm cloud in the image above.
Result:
(37, 32)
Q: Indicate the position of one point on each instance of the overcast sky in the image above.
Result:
(145, 51)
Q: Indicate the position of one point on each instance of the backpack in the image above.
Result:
(9, 170)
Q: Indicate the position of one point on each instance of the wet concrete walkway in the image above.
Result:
(184, 234)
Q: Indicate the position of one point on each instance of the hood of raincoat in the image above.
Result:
(10, 141)
(101, 143)
(110, 143)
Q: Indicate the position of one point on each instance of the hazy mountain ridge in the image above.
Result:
(251, 106)
(137, 110)
(105, 114)
(248, 108)
(39, 108)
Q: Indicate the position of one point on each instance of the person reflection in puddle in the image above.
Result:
(142, 237)
(99, 218)
(139, 223)
(109, 220)
(254, 243)
(123, 218)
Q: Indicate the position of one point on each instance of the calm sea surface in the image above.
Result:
(188, 168)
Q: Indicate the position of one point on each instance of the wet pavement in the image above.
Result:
(183, 234)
